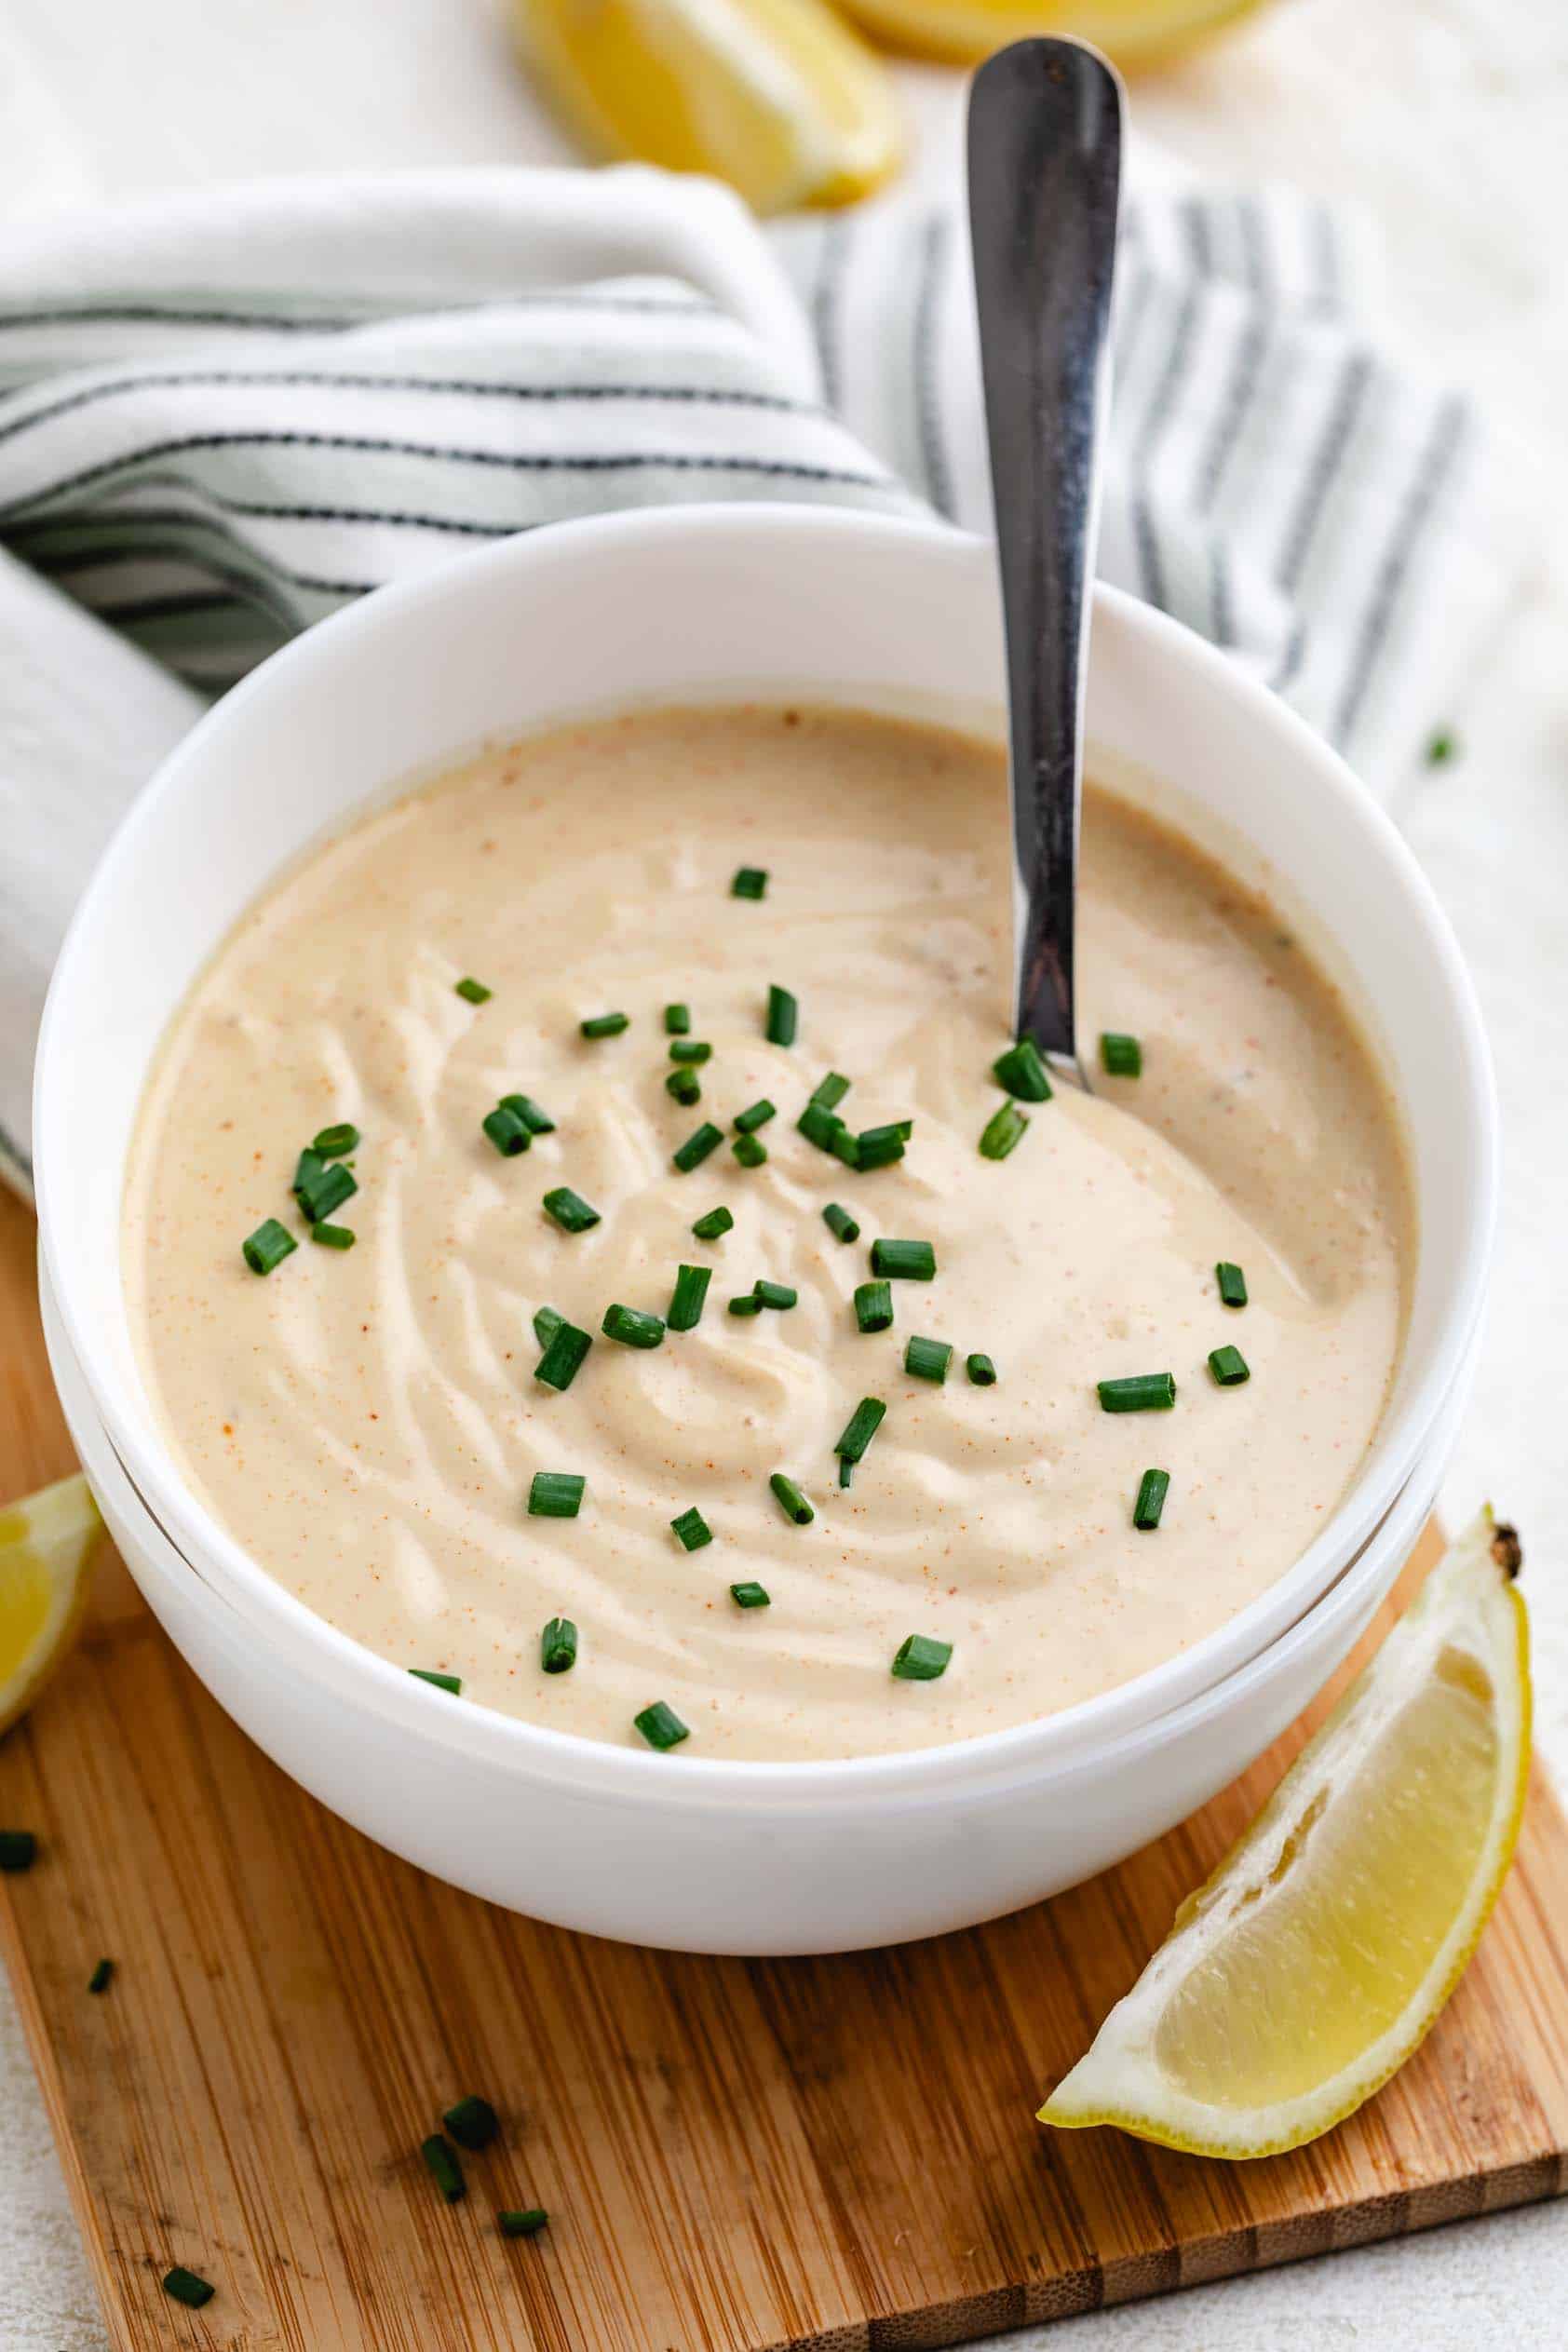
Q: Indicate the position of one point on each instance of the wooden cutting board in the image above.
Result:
(834, 2154)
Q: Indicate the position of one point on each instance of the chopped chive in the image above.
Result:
(1004, 1129)
(845, 1470)
(905, 1261)
(690, 1050)
(840, 1222)
(750, 1596)
(441, 2163)
(184, 2285)
(919, 1658)
(606, 1024)
(558, 1655)
(548, 1320)
(450, 1682)
(778, 1294)
(473, 2123)
(845, 1146)
(562, 1359)
(1142, 1392)
(1121, 1056)
(1440, 749)
(472, 992)
(99, 1981)
(820, 1126)
(695, 1148)
(831, 1091)
(521, 2223)
(755, 1115)
(677, 1021)
(874, 1306)
(982, 1371)
(317, 1179)
(685, 1085)
(783, 1017)
(717, 1223)
(1232, 1282)
(791, 1500)
(692, 1529)
(524, 1107)
(323, 1193)
(660, 1726)
(18, 1849)
(861, 1428)
(571, 1211)
(688, 1297)
(749, 1150)
(1229, 1367)
(268, 1246)
(1021, 1071)
(880, 1146)
(928, 1359)
(631, 1326)
(509, 1134)
(747, 1304)
(555, 1494)
(750, 882)
(332, 1237)
(333, 1141)
(1152, 1489)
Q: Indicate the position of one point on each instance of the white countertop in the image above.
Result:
(1447, 120)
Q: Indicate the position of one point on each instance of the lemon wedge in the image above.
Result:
(1324, 1946)
(778, 97)
(1133, 32)
(47, 1544)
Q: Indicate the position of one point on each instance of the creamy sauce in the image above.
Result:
(368, 1423)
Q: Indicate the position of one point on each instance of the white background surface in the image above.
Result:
(1447, 120)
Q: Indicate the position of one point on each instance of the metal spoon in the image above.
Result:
(1045, 164)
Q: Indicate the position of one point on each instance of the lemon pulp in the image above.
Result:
(780, 98)
(1133, 32)
(47, 1544)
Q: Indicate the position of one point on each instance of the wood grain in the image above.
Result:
(737, 2155)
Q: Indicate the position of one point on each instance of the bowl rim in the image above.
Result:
(544, 1751)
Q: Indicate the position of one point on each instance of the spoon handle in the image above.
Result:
(1045, 163)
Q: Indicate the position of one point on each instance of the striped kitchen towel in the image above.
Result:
(222, 416)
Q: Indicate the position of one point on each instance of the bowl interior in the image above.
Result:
(724, 602)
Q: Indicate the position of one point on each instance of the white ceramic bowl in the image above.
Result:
(801, 1870)
(705, 604)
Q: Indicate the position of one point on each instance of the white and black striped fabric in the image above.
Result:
(222, 416)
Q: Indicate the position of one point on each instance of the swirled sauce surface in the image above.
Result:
(367, 1423)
